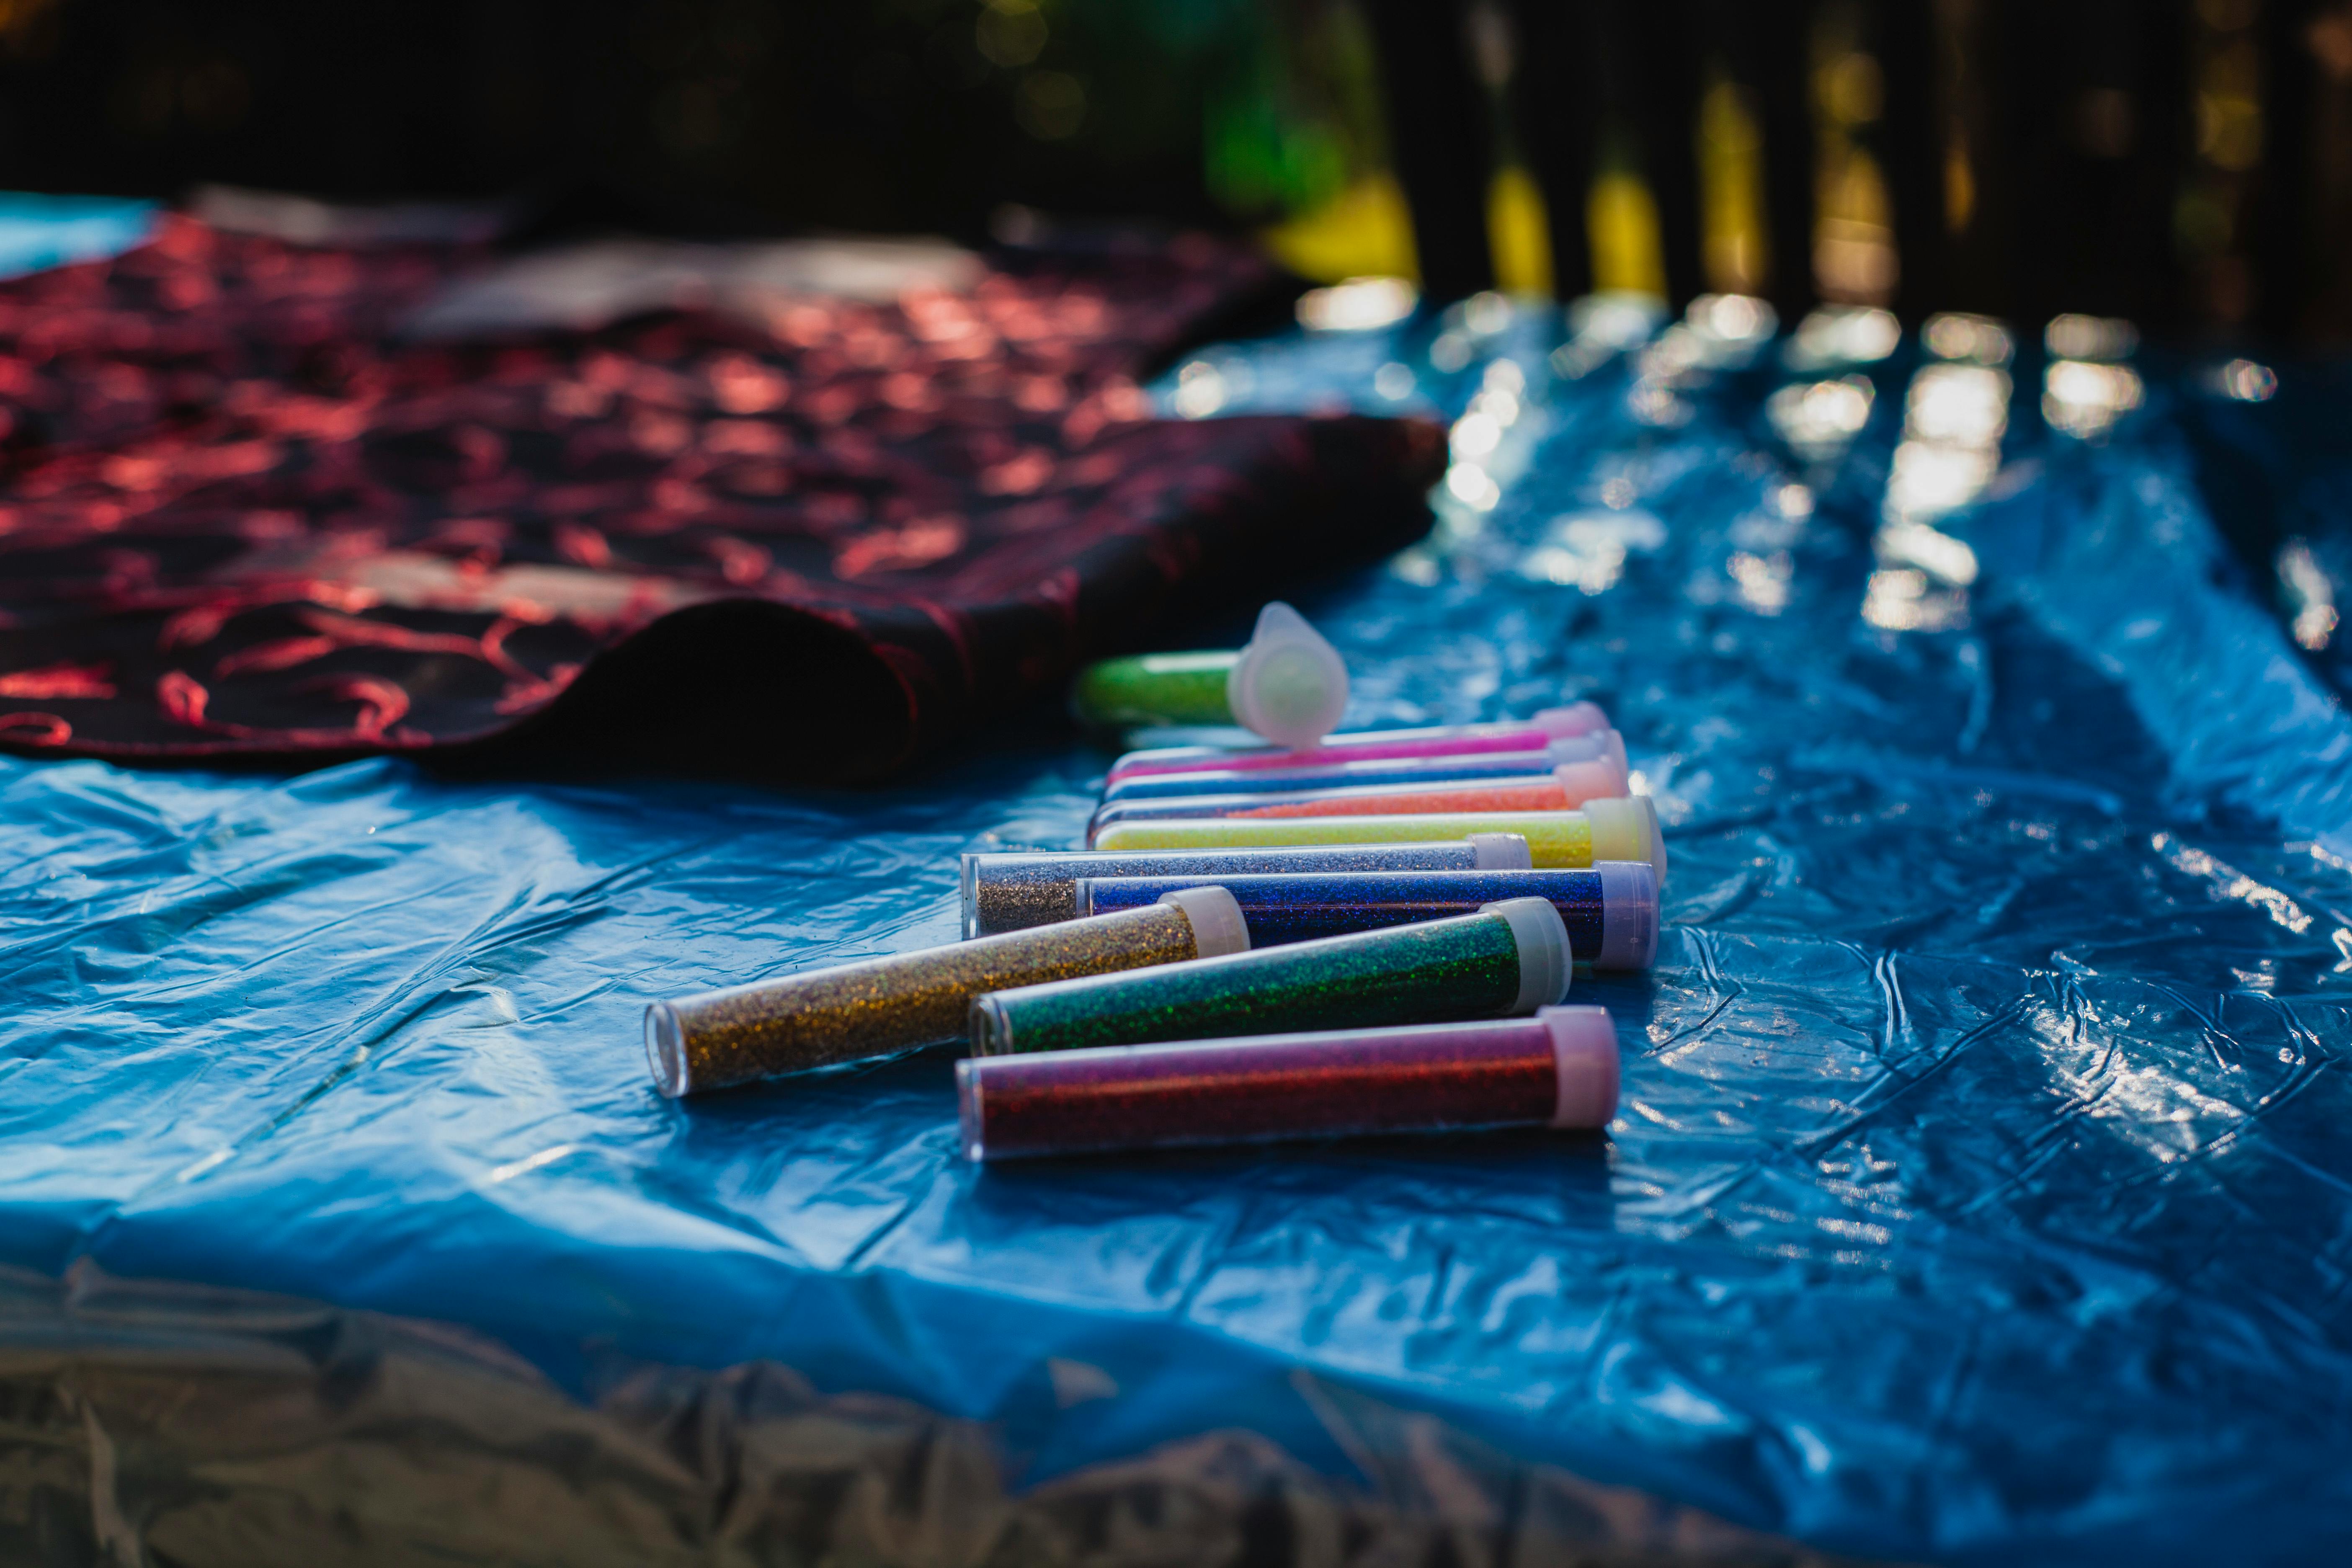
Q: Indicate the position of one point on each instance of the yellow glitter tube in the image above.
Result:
(1604, 830)
(885, 1004)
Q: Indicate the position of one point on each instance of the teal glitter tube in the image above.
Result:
(1508, 959)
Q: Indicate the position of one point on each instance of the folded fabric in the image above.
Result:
(247, 512)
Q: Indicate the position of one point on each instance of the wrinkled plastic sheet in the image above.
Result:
(1979, 1191)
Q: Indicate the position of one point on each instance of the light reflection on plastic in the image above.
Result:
(1843, 334)
(2246, 382)
(1762, 581)
(2090, 337)
(1358, 305)
(1979, 339)
(1473, 485)
(1930, 480)
(1732, 317)
(2310, 595)
(1963, 405)
(1200, 389)
(2086, 399)
(1907, 543)
(1393, 380)
(1817, 419)
(1475, 434)
(1901, 599)
(1587, 550)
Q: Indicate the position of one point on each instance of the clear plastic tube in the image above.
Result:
(1005, 892)
(886, 1005)
(1604, 830)
(1558, 1068)
(1402, 772)
(1511, 957)
(1611, 911)
(1446, 741)
(1564, 788)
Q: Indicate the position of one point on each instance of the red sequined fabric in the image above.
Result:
(242, 517)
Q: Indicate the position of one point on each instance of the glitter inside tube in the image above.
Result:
(1396, 773)
(1468, 967)
(1557, 1069)
(886, 1005)
(1005, 892)
(1562, 789)
(1527, 735)
(1156, 689)
(1611, 911)
(1603, 830)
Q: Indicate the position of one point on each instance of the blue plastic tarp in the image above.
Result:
(1979, 1194)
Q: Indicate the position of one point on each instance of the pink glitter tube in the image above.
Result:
(1445, 741)
(1557, 1068)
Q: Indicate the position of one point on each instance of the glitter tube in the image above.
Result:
(1564, 788)
(1005, 892)
(1558, 1068)
(1604, 830)
(1611, 912)
(1395, 771)
(1446, 741)
(1509, 958)
(1288, 685)
(886, 1005)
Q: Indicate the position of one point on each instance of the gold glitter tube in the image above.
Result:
(886, 1005)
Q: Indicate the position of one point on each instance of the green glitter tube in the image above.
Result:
(1558, 840)
(886, 1005)
(1289, 685)
(1510, 958)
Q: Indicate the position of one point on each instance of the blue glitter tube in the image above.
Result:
(1611, 911)
(1005, 892)
(1564, 788)
(1404, 772)
(1509, 958)
(1558, 1068)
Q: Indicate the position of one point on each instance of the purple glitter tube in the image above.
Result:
(1610, 910)
(1557, 1069)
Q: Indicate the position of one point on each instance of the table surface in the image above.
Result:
(1979, 1192)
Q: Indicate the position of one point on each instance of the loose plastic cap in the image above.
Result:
(1629, 915)
(1584, 1064)
(1290, 685)
(1627, 830)
(1576, 718)
(1545, 963)
(1501, 852)
(1597, 779)
(666, 1049)
(1218, 928)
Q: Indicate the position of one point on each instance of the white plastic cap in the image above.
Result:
(1501, 852)
(1290, 685)
(1218, 928)
(1627, 830)
(1597, 778)
(1629, 915)
(1576, 718)
(1545, 963)
(1584, 1062)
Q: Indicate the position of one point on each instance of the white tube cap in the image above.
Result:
(1576, 718)
(1629, 915)
(1597, 778)
(1290, 685)
(1545, 963)
(1501, 852)
(1218, 928)
(1627, 830)
(1584, 1061)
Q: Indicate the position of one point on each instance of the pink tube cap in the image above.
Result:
(1576, 718)
(1584, 1057)
(1597, 779)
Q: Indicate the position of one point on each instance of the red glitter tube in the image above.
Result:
(1557, 1069)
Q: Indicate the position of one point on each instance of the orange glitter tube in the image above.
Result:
(886, 1005)
(1563, 788)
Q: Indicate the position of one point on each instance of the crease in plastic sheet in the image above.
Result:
(1979, 1193)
